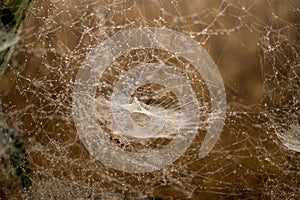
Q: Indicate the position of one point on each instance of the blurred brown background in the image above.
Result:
(255, 45)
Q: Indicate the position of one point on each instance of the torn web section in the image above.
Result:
(169, 78)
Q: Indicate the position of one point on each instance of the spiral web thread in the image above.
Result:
(255, 46)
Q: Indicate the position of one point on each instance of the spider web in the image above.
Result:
(255, 46)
